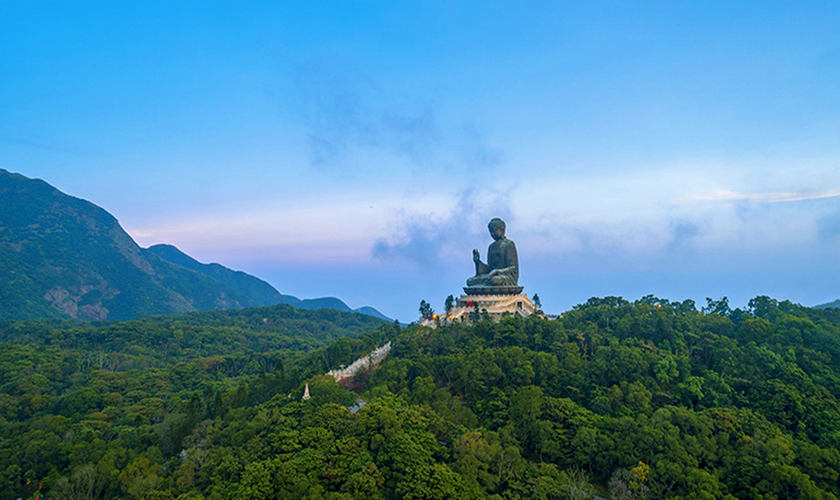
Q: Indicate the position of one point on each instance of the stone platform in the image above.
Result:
(491, 306)
(492, 290)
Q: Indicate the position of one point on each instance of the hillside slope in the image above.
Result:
(631, 400)
(252, 287)
(96, 384)
(836, 304)
(644, 399)
(260, 292)
(252, 331)
(62, 256)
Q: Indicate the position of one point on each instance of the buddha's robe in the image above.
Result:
(502, 267)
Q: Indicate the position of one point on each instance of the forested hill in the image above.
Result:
(243, 333)
(835, 304)
(644, 399)
(82, 405)
(650, 399)
(62, 256)
(260, 292)
(254, 288)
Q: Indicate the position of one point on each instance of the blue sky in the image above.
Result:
(358, 149)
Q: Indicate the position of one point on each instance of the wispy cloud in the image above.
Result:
(345, 111)
(340, 226)
(683, 234)
(724, 195)
(424, 239)
(829, 226)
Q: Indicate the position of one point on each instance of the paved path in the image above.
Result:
(372, 359)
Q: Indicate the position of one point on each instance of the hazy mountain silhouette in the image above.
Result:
(836, 303)
(252, 287)
(63, 256)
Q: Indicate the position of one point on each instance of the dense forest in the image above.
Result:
(88, 397)
(626, 400)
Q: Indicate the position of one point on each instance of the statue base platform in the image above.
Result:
(471, 308)
(492, 290)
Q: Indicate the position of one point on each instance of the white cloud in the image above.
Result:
(727, 195)
(638, 212)
(333, 225)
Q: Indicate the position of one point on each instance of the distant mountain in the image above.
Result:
(339, 305)
(63, 256)
(836, 303)
(252, 287)
(372, 312)
(260, 292)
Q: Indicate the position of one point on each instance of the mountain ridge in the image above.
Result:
(63, 256)
(253, 287)
(262, 293)
(835, 303)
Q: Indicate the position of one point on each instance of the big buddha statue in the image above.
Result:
(501, 272)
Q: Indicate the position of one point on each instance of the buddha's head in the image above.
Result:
(497, 228)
